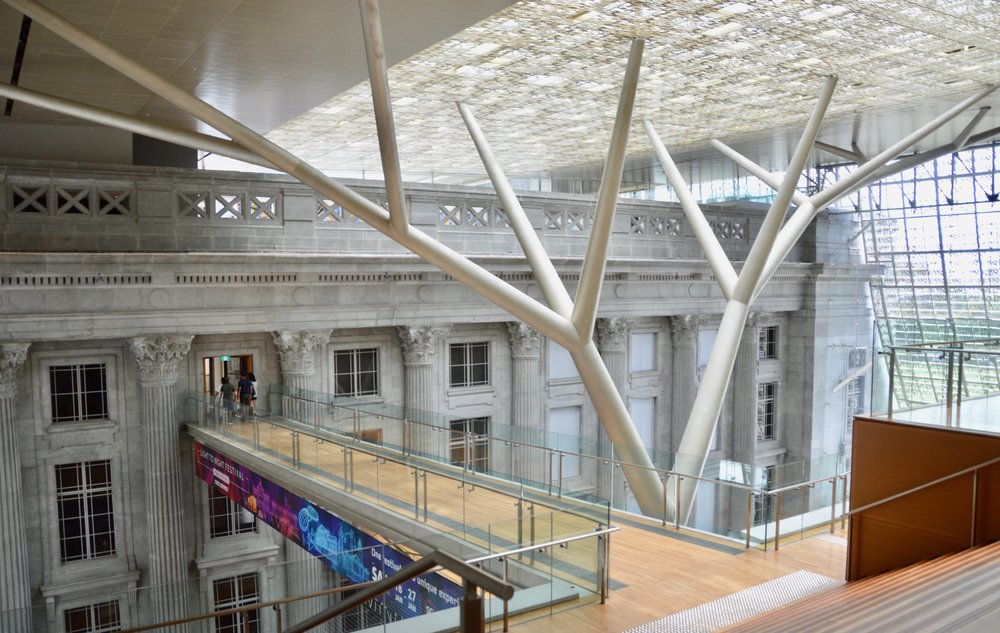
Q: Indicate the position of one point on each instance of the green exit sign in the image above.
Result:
(223, 358)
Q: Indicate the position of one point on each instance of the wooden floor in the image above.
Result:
(655, 571)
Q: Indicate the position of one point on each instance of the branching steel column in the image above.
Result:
(371, 26)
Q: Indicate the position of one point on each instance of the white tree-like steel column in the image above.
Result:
(15, 588)
(157, 358)
(774, 241)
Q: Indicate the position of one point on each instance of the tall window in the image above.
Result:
(767, 344)
(86, 510)
(564, 435)
(226, 518)
(79, 392)
(471, 433)
(103, 617)
(231, 593)
(766, 410)
(643, 350)
(762, 504)
(355, 372)
(561, 364)
(470, 364)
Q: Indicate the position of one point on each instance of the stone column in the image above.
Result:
(526, 416)
(15, 586)
(612, 337)
(304, 574)
(157, 358)
(296, 351)
(744, 427)
(684, 331)
(419, 403)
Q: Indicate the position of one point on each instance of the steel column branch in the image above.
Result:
(378, 75)
(545, 273)
(717, 259)
(194, 140)
(588, 291)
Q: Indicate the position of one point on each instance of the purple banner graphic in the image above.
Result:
(343, 547)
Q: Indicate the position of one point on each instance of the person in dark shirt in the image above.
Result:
(227, 391)
(246, 394)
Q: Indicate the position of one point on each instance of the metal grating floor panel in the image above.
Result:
(741, 605)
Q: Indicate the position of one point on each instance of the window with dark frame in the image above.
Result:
(470, 433)
(78, 392)
(234, 592)
(469, 364)
(767, 344)
(355, 372)
(766, 410)
(855, 400)
(226, 518)
(86, 510)
(103, 617)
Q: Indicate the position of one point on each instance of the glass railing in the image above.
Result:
(954, 384)
(555, 567)
(371, 448)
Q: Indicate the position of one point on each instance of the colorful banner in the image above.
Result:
(346, 549)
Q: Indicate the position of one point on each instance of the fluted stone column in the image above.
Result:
(157, 358)
(419, 403)
(15, 582)
(744, 430)
(304, 574)
(296, 351)
(526, 416)
(684, 335)
(612, 339)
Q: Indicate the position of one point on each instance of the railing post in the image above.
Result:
(277, 618)
(506, 604)
(295, 450)
(750, 517)
(561, 456)
(603, 545)
(551, 458)
(424, 475)
(471, 609)
(344, 450)
(666, 478)
(833, 506)
(961, 383)
(677, 496)
(777, 523)
(531, 530)
(949, 389)
(892, 380)
(416, 494)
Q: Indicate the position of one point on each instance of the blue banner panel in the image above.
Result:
(347, 550)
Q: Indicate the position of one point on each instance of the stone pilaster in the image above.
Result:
(419, 404)
(304, 574)
(612, 338)
(744, 428)
(15, 586)
(684, 336)
(526, 416)
(157, 358)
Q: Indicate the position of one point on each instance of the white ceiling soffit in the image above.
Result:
(260, 61)
(543, 78)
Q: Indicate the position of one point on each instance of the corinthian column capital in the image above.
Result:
(611, 335)
(157, 356)
(12, 356)
(684, 328)
(524, 341)
(419, 341)
(295, 349)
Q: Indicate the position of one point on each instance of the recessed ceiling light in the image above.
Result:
(484, 48)
(822, 14)
(723, 29)
(734, 9)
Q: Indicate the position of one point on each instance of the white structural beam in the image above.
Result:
(963, 136)
(378, 75)
(642, 478)
(588, 291)
(194, 140)
(717, 259)
(545, 273)
(849, 154)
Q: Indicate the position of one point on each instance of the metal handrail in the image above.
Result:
(472, 576)
(930, 484)
(539, 546)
